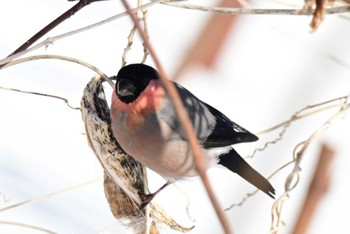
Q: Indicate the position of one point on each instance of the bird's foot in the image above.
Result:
(147, 198)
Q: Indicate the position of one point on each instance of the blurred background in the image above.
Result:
(257, 69)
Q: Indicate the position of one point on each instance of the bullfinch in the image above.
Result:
(145, 124)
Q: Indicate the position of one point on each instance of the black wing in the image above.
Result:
(212, 128)
(226, 132)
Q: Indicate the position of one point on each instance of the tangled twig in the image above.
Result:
(301, 114)
(141, 17)
(292, 179)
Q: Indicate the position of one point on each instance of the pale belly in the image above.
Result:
(158, 148)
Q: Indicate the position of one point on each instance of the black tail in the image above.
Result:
(234, 162)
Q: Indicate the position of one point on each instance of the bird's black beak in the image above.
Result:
(125, 87)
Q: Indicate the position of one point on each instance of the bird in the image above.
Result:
(145, 124)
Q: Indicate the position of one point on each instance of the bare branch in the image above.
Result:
(245, 11)
(27, 226)
(339, 101)
(128, 46)
(251, 194)
(272, 142)
(53, 24)
(41, 94)
(186, 124)
(51, 40)
(293, 178)
(145, 29)
(46, 196)
(300, 114)
(141, 17)
(65, 58)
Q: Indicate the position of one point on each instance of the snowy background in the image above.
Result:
(270, 67)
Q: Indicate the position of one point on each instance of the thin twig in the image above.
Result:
(40, 198)
(128, 46)
(65, 58)
(27, 226)
(245, 11)
(142, 18)
(41, 94)
(299, 114)
(250, 194)
(319, 107)
(311, 47)
(53, 24)
(51, 40)
(186, 124)
(145, 29)
(322, 106)
(293, 178)
(272, 142)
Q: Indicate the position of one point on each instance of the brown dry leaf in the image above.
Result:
(319, 11)
(125, 180)
(318, 15)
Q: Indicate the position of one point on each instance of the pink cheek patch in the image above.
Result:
(152, 97)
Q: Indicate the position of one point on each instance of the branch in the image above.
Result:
(309, 109)
(186, 124)
(142, 18)
(302, 113)
(27, 226)
(65, 58)
(293, 178)
(51, 40)
(250, 194)
(41, 94)
(245, 11)
(52, 25)
(46, 196)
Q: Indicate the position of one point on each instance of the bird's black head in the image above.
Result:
(132, 80)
